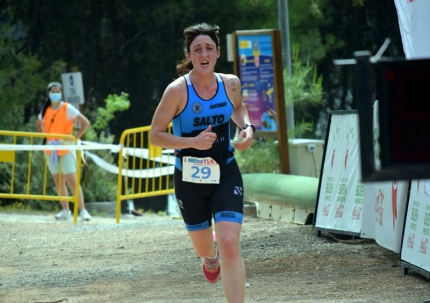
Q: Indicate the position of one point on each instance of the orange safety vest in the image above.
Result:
(56, 122)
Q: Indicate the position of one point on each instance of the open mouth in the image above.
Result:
(205, 63)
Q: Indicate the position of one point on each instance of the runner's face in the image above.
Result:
(203, 53)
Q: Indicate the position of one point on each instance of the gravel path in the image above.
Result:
(150, 259)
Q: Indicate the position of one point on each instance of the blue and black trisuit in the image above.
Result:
(199, 202)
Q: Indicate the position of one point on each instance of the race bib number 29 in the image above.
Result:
(200, 170)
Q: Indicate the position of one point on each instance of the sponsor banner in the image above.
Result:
(368, 229)
(385, 204)
(414, 23)
(417, 226)
(342, 194)
(368, 222)
(389, 213)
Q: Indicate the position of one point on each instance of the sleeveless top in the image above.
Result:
(56, 122)
(198, 114)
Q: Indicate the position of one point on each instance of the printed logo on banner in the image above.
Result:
(332, 158)
(411, 240)
(329, 189)
(379, 210)
(423, 246)
(394, 202)
(414, 215)
(341, 198)
(341, 192)
(427, 187)
(339, 211)
(346, 157)
(359, 194)
(426, 228)
(356, 213)
(349, 136)
(336, 135)
(326, 210)
(359, 199)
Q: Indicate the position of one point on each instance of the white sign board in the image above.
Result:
(385, 206)
(73, 88)
(414, 23)
(389, 213)
(342, 194)
(417, 226)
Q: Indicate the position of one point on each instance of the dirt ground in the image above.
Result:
(150, 259)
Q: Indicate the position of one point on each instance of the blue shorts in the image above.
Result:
(199, 203)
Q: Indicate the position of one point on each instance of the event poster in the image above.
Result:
(388, 206)
(390, 199)
(417, 226)
(257, 76)
(342, 194)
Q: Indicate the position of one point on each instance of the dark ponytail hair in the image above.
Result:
(184, 67)
(190, 33)
(45, 106)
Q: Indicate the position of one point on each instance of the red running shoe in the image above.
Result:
(212, 268)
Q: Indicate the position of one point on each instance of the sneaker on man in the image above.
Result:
(64, 214)
(85, 215)
(212, 268)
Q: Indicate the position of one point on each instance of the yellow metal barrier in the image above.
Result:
(144, 170)
(11, 157)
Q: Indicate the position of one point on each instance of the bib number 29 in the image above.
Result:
(200, 170)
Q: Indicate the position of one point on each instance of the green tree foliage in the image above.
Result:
(303, 89)
(305, 86)
(114, 103)
(261, 157)
(128, 46)
(98, 184)
(356, 25)
(134, 45)
(21, 79)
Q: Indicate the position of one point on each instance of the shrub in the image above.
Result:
(261, 157)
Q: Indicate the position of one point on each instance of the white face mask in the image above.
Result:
(55, 97)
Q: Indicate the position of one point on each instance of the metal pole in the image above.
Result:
(286, 50)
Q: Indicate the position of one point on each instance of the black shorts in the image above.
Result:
(200, 202)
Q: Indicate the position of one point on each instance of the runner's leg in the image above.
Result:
(71, 182)
(233, 268)
(61, 189)
(203, 242)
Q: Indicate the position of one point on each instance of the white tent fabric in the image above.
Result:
(414, 22)
(135, 152)
(167, 157)
(144, 173)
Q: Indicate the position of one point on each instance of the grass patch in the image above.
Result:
(20, 207)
